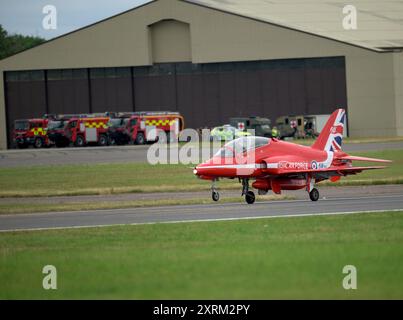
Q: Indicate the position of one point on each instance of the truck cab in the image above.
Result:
(29, 132)
(289, 126)
(261, 126)
(117, 131)
(56, 132)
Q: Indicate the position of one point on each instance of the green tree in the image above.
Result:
(11, 44)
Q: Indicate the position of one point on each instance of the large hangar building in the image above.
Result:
(213, 59)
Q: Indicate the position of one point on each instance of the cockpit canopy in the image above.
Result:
(241, 145)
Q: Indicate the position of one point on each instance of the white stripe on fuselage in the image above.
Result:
(328, 161)
(243, 166)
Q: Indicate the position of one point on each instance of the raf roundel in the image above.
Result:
(314, 165)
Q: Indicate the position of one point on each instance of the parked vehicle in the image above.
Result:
(29, 132)
(261, 126)
(101, 129)
(117, 131)
(56, 130)
(143, 127)
(287, 127)
(227, 133)
(301, 126)
(83, 131)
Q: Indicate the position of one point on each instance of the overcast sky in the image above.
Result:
(25, 16)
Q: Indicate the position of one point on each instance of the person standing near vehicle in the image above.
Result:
(274, 132)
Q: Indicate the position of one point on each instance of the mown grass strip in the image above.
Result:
(14, 208)
(296, 258)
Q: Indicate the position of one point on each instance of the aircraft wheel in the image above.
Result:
(250, 197)
(261, 192)
(314, 194)
(215, 196)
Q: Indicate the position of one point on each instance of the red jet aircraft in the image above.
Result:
(278, 165)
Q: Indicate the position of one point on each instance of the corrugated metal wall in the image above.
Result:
(25, 94)
(67, 91)
(206, 94)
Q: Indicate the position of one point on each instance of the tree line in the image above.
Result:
(13, 43)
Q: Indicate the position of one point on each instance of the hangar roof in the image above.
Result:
(379, 23)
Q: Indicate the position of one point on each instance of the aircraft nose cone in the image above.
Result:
(199, 170)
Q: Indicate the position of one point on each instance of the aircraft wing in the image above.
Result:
(354, 158)
(328, 172)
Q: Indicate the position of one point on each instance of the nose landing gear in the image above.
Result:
(310, 187)
(249, 195)
(214, 193)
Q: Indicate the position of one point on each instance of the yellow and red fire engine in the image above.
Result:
(82, 131)
(30, 132)
(142, 127)
(155, 126)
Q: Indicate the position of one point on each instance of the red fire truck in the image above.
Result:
(82, 131)
(142, 127)
(117, 127)
(56, 129)
(31, 132)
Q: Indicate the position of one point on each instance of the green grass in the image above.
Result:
(393, 174)
(16, 207)
(96, 179)
(250, 259)
(134, 177)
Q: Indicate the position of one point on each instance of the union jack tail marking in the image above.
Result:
(331, 137)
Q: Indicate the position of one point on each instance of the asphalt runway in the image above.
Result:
(121, 154)
(216, 211)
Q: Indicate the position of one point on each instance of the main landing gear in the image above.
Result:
(249, 195)
(310, 187)
(314, 194)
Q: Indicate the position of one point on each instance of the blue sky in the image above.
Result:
(25, 16)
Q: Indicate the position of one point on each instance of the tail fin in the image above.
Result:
(331, 137)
